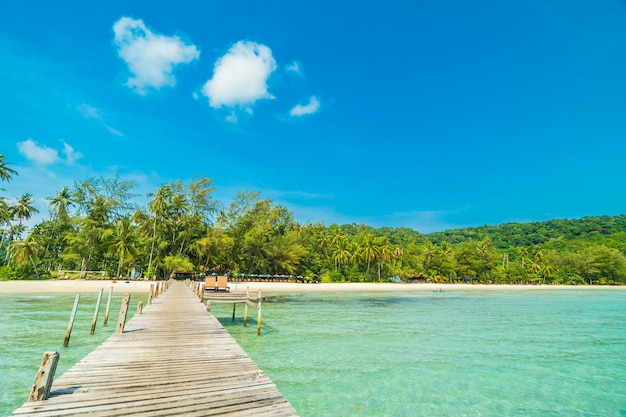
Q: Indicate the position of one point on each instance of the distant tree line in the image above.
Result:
(96, 225)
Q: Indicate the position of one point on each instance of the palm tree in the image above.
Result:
(342, 253)
(60, 203)
(214, 243)
(24, 252)
(5, 172)
(24, 209)
(124, 241)
(370, 249)
(158, 205)
(523, 254)
(385, 252)
(398, 253)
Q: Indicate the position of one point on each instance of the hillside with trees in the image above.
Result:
(96, 225)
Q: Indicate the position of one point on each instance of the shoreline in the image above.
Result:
(121, 286)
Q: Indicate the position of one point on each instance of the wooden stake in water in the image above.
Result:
(95, 313)
(71, 323)
(106, 313)
(258, 324)
(245, 313)
(121, 320)
(151, 294)
(140, 307)
(45, 376)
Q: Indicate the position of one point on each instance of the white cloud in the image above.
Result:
(113, 130)
(150, 57)
(71, 155)
(89, 112)
(311, 107)
(240, 76)
(41, 155)
(295, 67)
(232, 117)
(44, 155)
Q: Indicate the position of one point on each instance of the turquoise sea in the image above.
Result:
(458, 353)
(33, 324)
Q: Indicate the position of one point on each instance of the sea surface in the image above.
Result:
(455, 353)
(33, 324)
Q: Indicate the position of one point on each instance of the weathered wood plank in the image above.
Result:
(174, 359)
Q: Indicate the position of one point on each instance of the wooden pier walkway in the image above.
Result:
(175, 359)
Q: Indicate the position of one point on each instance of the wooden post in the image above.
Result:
(245, 313)
(140, 307)
(151, 294)
(258, 321)
(45, 376)
(156, 289)
(121, 320)
(234, 306)
(71, 323)
(106, 312)
(95, 313)
(208, 305)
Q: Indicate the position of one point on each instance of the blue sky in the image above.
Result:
(430, 114)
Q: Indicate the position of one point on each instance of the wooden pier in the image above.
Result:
(174, 359)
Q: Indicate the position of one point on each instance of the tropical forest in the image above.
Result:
(96, 228)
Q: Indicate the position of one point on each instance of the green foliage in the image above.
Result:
(177, 263)
(95, 226)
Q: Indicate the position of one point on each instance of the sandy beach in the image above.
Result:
(87, 286)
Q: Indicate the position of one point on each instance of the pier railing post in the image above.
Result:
(106, 312)
(95, 313)
(151, 294)
(245, 307)
(258, 324)
(68, 333)
(45, 376)
(121, 320)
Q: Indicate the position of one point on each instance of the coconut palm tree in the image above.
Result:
(158, 205)
(23, 252)
(123, 241)
(60, 203)
(385, 252)
(342, 253)
(6, 173)
(23, 209)
(370, 249)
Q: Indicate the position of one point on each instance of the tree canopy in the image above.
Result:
(96, 225)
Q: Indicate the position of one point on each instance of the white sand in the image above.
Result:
(77, 286)
(84, 287)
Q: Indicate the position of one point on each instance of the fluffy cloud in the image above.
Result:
(71, 155)
(150, 57)
(41, 155)
(311, 107)
(240, 76)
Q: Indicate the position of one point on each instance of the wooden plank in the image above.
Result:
(174, 359)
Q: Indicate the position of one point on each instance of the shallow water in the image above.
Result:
(33, 324)
(515, 353)
(459, 353)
